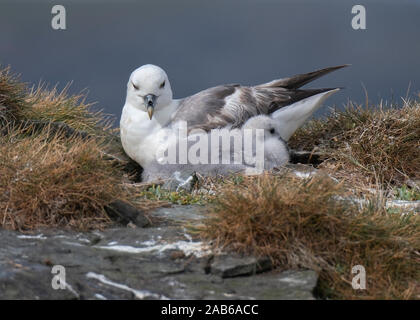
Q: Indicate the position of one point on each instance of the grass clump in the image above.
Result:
(56, 166)
(12, 96)
(375, 145)
(54, 181)
(18, 104)
(55, 106)
(303, 224)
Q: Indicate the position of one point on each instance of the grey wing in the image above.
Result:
(207, 109)
(231, 105)
(224, 106)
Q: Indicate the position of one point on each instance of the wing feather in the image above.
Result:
(231, 105)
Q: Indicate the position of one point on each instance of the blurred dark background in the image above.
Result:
(205, 43)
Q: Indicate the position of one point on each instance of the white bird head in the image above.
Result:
(148, 89)
(265, 123)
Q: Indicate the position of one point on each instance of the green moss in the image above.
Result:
(182, 197)
(406, 193)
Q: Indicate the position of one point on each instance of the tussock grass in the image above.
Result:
(19, 103)
(55, 166)
(302, 224)
(12, 96)
(57, 106)
(54, 181)
(379, 146)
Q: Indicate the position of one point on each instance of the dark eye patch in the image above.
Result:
(162, 85)
(135, 87)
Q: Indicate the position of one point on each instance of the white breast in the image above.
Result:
(140, 136)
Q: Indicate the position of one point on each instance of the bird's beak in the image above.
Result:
(149, 101)
(150, 112)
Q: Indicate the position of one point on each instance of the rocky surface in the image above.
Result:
(161, 261)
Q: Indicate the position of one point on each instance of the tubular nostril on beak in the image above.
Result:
(150, 100)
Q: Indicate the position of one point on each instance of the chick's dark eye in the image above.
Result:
(135, 87)
(162, 84)
(272, 130)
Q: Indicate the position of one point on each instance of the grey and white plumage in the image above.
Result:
(275, 152)
(233, 104)
(150, 110)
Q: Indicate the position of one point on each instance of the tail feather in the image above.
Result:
(292, 117)
(295, 96)
(300, 80)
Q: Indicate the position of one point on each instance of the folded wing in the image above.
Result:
(231, 105)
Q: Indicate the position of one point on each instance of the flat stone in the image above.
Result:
(288, 285)
(124, 213)
(180, 213)
(404, 205)
(228, 266)
(159, 262)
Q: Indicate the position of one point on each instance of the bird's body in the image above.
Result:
(140, 136)
(231, 156)
(150, 112)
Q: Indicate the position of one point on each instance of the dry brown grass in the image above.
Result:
(19, 102)
(301, 224)
(12, 96)
(54, 181)
(51, 105)
(50, 174)
(379, 146)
